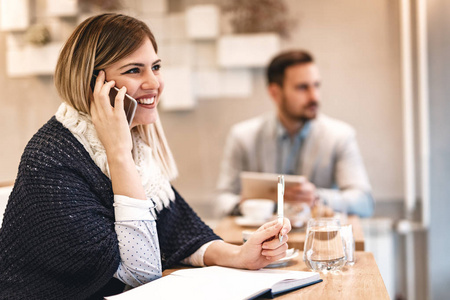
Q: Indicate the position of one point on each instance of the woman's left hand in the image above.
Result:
(264, 247)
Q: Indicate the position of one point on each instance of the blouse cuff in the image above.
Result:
(131, 209)
(196, 258)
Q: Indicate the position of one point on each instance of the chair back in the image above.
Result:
(5, 191)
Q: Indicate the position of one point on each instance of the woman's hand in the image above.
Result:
(264, 247)
(114, 133)
(110, 122)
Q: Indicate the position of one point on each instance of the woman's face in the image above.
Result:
(140, 74)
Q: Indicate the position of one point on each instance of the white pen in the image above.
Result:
(280, 207)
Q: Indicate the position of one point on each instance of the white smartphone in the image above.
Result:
(129, 103)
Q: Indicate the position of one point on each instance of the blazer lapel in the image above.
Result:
(269, 146)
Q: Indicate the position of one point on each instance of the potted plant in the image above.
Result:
(257, 27)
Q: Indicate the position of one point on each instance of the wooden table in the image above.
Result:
(360, 281)
(231, 232)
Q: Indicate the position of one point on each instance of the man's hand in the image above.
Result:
(304, 192)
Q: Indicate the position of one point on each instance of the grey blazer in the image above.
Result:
(329, 158)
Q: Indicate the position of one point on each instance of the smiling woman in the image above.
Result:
(140, 74)
(92, 208)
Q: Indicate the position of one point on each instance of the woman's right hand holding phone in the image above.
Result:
(113, 131)
(110, 122)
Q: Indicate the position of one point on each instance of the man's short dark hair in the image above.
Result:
(276, 68)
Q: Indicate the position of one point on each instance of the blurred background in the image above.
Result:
(385, 68)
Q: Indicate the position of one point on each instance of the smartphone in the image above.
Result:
(129, 103)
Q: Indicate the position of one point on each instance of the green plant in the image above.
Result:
(252, 16)
(38, 34)
(104, 5)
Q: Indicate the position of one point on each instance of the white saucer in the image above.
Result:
(243, 221)
(297, 223)
(290, 254)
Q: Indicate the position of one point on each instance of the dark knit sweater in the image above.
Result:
(58, 241)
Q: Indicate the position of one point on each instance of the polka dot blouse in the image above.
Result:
(138, 241)
(136, 231)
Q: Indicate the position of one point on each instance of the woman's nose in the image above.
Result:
(150, 82)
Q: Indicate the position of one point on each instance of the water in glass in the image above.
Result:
(324, 248)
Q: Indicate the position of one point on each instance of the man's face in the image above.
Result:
(299, 97)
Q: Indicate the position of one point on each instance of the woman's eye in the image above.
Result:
(156, 67)
(132, 71)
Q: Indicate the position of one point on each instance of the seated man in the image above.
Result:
(297, 140)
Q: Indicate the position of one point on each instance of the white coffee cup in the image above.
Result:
(257, 209)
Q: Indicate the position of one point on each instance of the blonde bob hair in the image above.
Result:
(96, 43)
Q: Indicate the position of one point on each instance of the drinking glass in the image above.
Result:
(349, 242)
(324, 247)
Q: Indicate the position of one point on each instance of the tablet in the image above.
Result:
(264, 185)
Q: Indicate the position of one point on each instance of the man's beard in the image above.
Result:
(302, 116)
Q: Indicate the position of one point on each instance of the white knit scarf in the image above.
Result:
(156, 185)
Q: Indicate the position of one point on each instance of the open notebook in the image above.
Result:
(221, 283)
